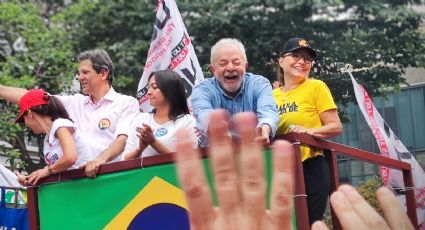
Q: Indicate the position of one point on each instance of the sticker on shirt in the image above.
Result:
(161, 132)
(104, 123)
(51, 159)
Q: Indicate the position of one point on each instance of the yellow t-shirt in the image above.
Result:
(302, 106)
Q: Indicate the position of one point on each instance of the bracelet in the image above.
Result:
(49, 170)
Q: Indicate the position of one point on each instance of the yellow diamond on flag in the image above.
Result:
(159, 205)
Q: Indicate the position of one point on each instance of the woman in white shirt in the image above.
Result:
(64, 148)
(154, 132)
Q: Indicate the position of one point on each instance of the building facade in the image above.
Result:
(403, 111)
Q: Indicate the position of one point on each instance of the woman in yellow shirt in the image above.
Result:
(306, 106)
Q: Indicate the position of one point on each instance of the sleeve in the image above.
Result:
(202, 106)
(189, 125)
(58, 123)
(324, 99)
(132, 141)
(64, 98)
(129, 111)
(266, 105)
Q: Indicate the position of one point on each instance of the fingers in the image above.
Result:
(37, 178)
(21, 179)
(31, 178)
(368, 215)
(92, 168)
(34, 177)
(191, 176)
(197, 132)
(145, 133)
(223, 163)
(297, 129)
(393, 212)
(282, 184)
(252, 168)
(348, 218)
(352, 212)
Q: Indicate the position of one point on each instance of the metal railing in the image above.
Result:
(331, 150)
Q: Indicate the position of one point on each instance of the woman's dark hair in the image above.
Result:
(54, 108)
(172, 87)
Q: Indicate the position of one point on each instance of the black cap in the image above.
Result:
(298, 43)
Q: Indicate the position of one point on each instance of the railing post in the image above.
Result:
(333, 168)
(33, 218)
(410, 197)
(300, 199)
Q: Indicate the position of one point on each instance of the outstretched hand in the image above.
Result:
(355, 213)
(241, 191)
(241, 186)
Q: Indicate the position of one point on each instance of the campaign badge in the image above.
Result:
(104, 123)
(161, 132)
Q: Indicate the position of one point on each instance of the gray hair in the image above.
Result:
(228, 42)
(100, 61)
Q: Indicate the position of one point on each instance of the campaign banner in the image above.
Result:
(8, 179)
(143, 198)
(12, 217)
(171, 48)
(391, 146)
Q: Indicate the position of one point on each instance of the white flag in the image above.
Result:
(171, 48)
(391, 146)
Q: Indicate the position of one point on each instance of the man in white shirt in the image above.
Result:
(102, 115)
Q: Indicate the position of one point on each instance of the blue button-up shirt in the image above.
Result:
(255, 96)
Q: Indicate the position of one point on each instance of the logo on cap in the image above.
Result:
(104, 124)
(303, 42)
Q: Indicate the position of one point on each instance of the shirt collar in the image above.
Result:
(110, 96)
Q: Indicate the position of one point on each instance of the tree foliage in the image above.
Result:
(32, 54)
(368, 192)
(358, 32)
(361, 33)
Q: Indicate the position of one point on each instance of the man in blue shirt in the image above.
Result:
(234, 90)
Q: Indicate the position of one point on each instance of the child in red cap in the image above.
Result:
(64, 147)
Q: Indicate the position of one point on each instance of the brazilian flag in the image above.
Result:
(143, 198)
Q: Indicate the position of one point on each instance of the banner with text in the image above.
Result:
(171, 48)
(391, 146)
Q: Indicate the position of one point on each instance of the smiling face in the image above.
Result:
(296, 70)
(88, 78)
(229, 67)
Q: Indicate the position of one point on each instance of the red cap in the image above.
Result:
(32, 98)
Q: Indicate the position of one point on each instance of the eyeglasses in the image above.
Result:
(297, 57)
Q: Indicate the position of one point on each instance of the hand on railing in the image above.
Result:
(355, 213)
